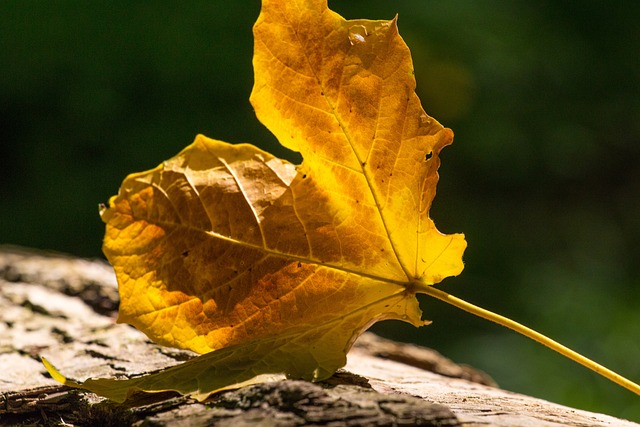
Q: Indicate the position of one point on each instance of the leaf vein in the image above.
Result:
(246, 197)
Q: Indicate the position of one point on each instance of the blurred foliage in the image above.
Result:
(543, 177)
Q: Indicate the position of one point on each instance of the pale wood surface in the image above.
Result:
(64, 308)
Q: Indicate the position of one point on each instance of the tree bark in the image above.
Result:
(64, 308)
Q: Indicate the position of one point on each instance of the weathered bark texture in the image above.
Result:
(65, 308)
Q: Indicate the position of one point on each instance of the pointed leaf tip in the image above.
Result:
(55, 374)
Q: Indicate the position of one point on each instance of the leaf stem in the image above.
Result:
(530, 333)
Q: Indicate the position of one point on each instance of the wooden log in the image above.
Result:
(64, 308)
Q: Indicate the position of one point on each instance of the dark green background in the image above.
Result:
(543, 176)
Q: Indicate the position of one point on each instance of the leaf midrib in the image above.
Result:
(349, 140)
(275, 253)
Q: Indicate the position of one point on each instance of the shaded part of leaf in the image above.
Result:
(203, 289)
(312, 353)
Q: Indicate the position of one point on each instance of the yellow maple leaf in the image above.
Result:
(226, 247)
(269, 268)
